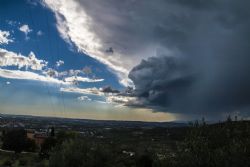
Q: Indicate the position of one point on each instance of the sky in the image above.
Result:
(163, 60)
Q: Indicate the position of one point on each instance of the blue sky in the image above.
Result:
(32, 27)
(49, 46)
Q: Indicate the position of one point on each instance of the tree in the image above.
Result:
(16, 140)
(79, 154)
(144, 160)
(215, 146)
(229, 119)
(47, 146)
(51, 131)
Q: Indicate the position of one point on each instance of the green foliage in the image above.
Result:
(47, 146)
(23, 162)
(7, 162)
(16, 140)
(30, 145)
(79, 154)
(66, 135)
(218, 145)
(144, 159)
(200, 145)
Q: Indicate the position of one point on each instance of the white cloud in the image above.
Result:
(84, 98)
(31, 2)
(63, 73)
(4, 37)
(8, 58)
(82, 79)
(26, 30)
(12, 23)
(99, 101)
(120, 99)
(39, 33)
(27, 75)
(76, 26)
(113, 98)
(59, 63)
(91, 91)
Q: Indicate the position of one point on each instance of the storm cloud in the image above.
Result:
(194, 54)
(206, 65)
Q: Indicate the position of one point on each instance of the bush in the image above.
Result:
(144, 161)
(216, 146)
(47, 146)
(23, 162)
(79, 154)
(16, 140)
(7, 162)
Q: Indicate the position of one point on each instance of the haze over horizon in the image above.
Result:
(163, 60)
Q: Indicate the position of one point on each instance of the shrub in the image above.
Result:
(79, 154)
(23, 162)
(7, 162)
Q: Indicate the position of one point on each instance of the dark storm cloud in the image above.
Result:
(109, 89)
(131, 26)
(207, 68)
(198, 49)
(202, 57)
(160, 78)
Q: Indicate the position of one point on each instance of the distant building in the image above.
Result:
(40, 138)
(13, 125)
(30, 133)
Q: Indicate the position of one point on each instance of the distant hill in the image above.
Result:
(27, 119)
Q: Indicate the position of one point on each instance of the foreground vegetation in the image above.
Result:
(224, 144)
